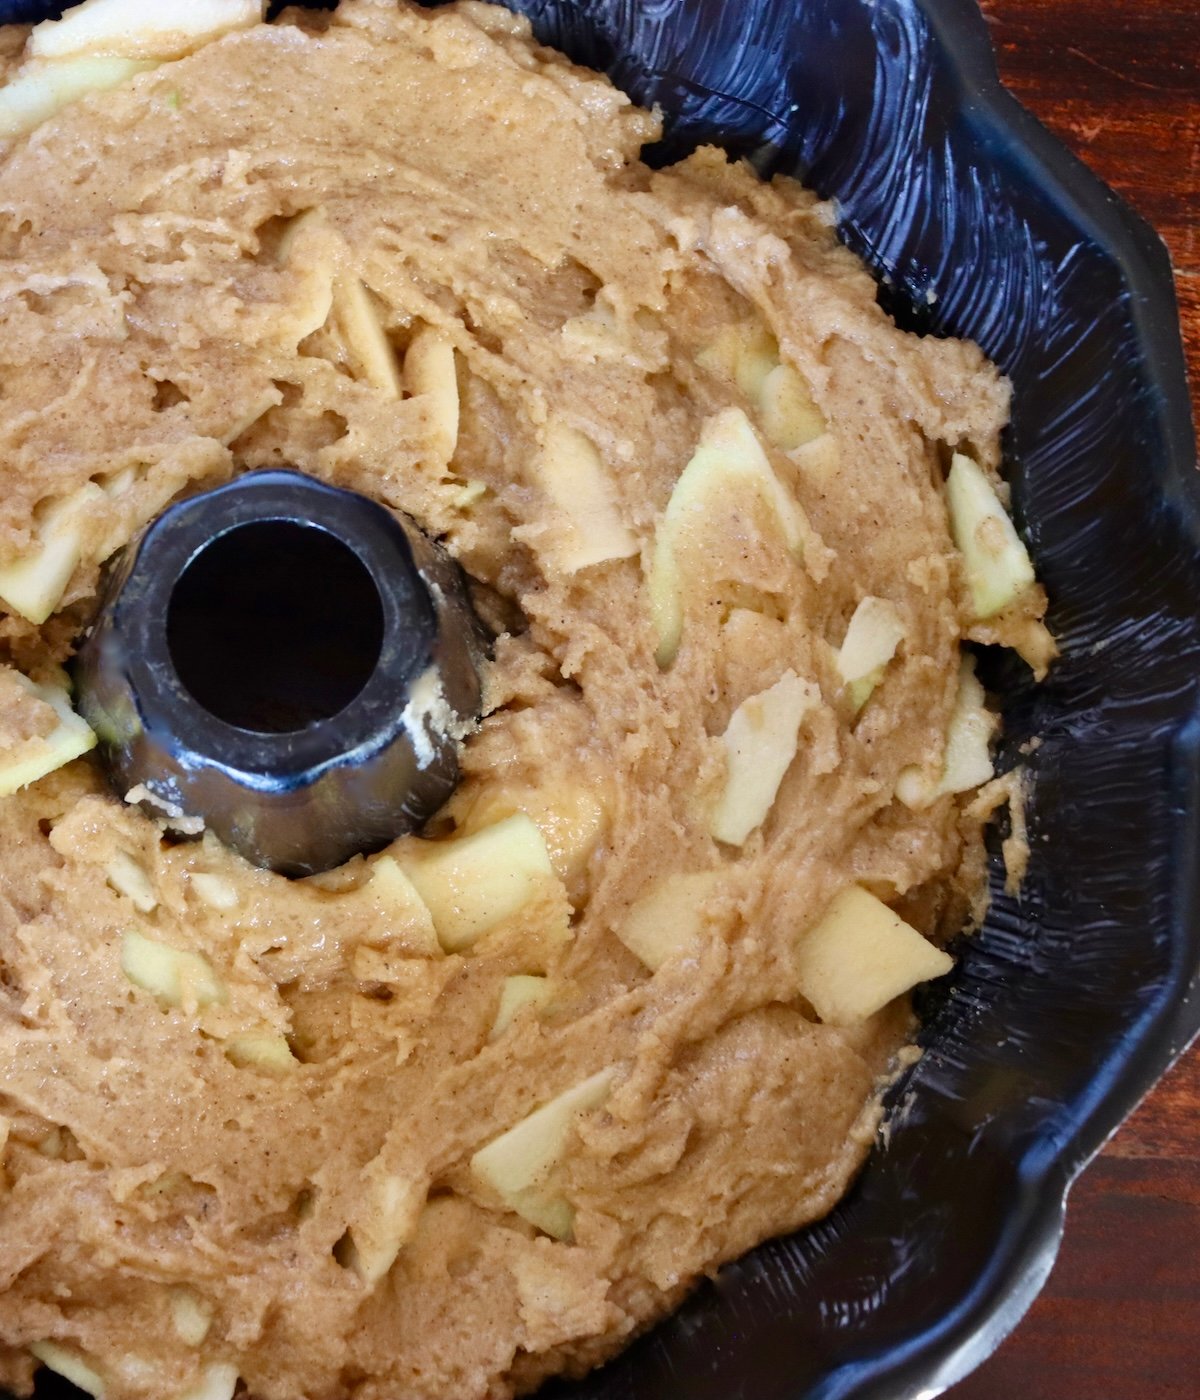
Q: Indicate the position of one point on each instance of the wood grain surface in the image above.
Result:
(1119, 82)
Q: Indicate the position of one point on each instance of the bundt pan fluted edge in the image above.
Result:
(1080, 991)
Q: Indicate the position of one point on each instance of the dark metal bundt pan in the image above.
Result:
(1076, 996)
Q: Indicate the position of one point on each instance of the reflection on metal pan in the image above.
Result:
(1076, 996)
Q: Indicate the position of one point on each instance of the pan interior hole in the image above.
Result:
(275, 626)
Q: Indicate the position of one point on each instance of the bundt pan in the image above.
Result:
(1080, 991)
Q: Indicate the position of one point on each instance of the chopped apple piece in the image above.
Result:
(571, 818)
(745, 353)
(464, 494)
(760, 743)
(37, 90)
(174, 976)
(306, 247)
(265, 1050)
(365, 336)
(385, 1225)
(218, 1381)
(191, 1315)
(875, 632)
(789, 416)
(429, 373)
(667, 921)
(516, 1165)
(129, 878)
(34, 584)
(70, 1365)
(472, 883)
(400, 908)
(569, 471)
(967, 762)
(969, 737)
(42, 754)
(749, 355)
(729, 457)
(517, 993)
(214, 890)
(134, 29)
(998, 566)
(860, 955)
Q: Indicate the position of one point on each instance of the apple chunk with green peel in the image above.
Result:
(518, 1165)
(728, 459)
(33, 585)
(859, 956)
(135, 29)
(967, 761)
(66, 736)
(177, 977)
(37, 90)
(589, 530)
(997, 563)
(874, 633)
(473, 883)
(666, 922)
(760, 743)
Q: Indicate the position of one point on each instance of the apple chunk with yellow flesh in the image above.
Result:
(860, 955)
(516, 993)
(967, 760)
(729, 458)
(36, 91)
(760, 743)
(998, 566)
(875, 632)
(191, 1315)
(33, 585)
(38, 755)
(518, 1164)
(65, 1362)
(666, 922)
(135, 29)
(745, 353)
(571, 474)
(128, 877)
(306, 248)
(789, 416)
(264, 1050)
(572, 818)
(218, 1381)
(748, 354)
(173, 975)
(470, 884)
(398, 907)
(364, 334)
(430, 373)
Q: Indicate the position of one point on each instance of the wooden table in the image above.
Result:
(1119, 82)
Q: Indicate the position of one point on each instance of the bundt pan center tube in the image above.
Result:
(1079, 991)
(287, 664)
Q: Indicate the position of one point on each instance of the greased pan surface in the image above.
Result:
(1078, 994)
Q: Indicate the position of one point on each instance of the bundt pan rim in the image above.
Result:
(1078, 995)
